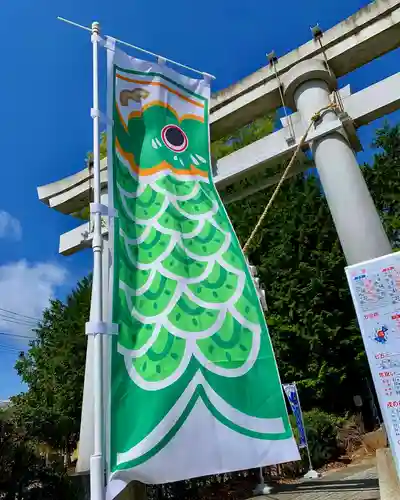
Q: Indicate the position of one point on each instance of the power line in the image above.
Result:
(15, 335)
(19, 314)
(14, 354)
(16, 318)
(14, 349)
(7, 351)
(17, 321)
(7, 315)
(10, 348)
(6, 346)
(27, 325)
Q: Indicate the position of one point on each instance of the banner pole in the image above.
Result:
(311, 470)
(140, 49)
(97, 483)
(309, 457)
(262, 488)
(294, 401)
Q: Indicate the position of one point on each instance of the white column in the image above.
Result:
(356, 219)
(86, 436)
(106, 348)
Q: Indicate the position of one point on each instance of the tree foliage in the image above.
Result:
(255, 130)
(53, 369)
(102, 150)
(311, 316)
(24, 474)
(384, 180)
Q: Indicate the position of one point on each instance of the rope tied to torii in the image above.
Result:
(316, 117)
(337, 106)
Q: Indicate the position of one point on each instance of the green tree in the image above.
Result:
(247, 134)
(311, 316)
(384, 180)
(310, 313)
(103, 150)
(53, 369)
(24, 474)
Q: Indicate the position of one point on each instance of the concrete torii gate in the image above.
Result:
(307, 76)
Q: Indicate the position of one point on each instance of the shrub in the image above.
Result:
(322, 434)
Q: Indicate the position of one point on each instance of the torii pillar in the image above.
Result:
(308, 87)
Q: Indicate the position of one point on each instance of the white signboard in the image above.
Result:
(375, 288)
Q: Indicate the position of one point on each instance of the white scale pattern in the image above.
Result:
(177, 239)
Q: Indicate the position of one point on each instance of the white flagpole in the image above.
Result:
(97, 486)
(262, 488)
(140, 49)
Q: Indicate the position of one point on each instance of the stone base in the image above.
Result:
(312, 474)
(389, 485)
(262, 489)
(375, 440)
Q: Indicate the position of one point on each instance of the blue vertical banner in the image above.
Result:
(293, 398)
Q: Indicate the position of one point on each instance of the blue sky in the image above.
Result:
(46, 100)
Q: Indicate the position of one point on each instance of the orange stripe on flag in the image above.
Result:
(159, 84)
(121, 118)
(138, 113)
(158, 168)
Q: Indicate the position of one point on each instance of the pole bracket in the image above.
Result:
(96, 113)
(272, 58)
(109, 43)
(317, 32)
(99, 208)
(95, 38)
(101, 328)
(207, 78)
(350, 131)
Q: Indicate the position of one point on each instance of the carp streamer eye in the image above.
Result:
(174, 138)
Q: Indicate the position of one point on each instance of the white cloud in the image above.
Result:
(25, 289)
(10, 227)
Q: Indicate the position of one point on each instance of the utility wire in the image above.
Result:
(19, 314)
(10, 348)
(13, 353)
(16, 321)
(17, 318)
(15, 335)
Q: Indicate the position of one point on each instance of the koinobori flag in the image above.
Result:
(195, 388)
(293, 398)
